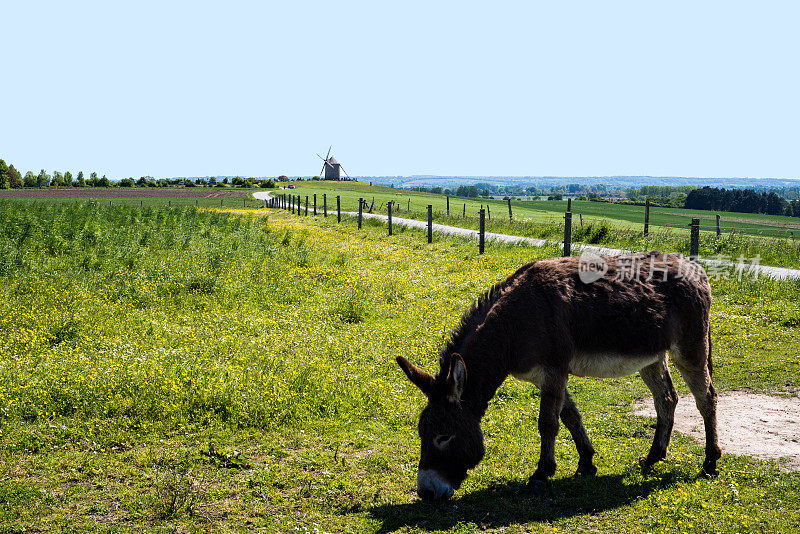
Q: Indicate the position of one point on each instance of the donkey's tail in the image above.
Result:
(710, 362)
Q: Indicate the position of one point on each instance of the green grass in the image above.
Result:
(611, 225)
(179, 370)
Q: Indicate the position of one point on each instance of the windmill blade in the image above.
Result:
(329, 153)
(344, 171)
(322, 171)
(320, 157)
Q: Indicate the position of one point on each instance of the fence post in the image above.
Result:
(646, 217)
(360, 207)
(430, 223)
(694, 244)
(481, 233)
(448, 205)
(220, 202)
(315, 204)
(244, 202)
(718, 232)
(196, 201)
(488, 212)
(510, 215)
(568, 232)
(338, 209)
(389, 208)
(409, 204)
(325, 204)
(141, 203)
(306, 205)
(464, 213)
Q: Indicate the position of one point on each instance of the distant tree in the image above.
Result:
(269, 184)
(93, 181)
(141, 182)
(5, 183)
(189, 183)
(42, 179)
(29, 180)
(68, 179)
(57, 180)
(14, 179)
(104, 182)
(284, 178)
(126, 182)
(225, 181)
(557, 196)
(81, 181)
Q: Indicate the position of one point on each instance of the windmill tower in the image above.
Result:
(330, 167)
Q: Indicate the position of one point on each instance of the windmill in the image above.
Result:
(331, 167)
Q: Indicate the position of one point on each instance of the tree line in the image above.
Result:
(740, 200)
(10, 178)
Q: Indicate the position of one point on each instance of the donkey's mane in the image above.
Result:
(473, 318)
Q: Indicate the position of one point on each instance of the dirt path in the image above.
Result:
(749, 424)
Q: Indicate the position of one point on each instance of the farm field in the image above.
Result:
(174, 369)
(215, 197)
(613, 225)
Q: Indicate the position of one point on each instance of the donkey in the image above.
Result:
(608, 317)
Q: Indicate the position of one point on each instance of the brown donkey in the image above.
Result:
(602, 317)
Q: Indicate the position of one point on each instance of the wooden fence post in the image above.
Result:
(306, 205)
(338, 209)
(315, 204)
(464, 213)
(718, 232)
(409, 204)
(694, 244)
(360, 206)
(481, 233)
(389, 208)
(141, 203)
(568, 233)
(510, 215)
(646, 217)
(169, 203)
(325, 204)
(448, 205)
(430, 223)
(488, 212)
(244, 202)
(220, 202)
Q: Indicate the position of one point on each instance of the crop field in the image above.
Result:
(177, 369)
(613, 225)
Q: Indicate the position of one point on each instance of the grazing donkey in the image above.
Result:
(606, 317)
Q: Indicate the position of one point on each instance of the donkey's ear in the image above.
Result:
(456, 378)
(418, 377)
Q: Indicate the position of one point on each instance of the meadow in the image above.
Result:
(176, 369)
(773, 239)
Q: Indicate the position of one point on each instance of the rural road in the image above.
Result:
(776, 273)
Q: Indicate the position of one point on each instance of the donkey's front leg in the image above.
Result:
(552, 389)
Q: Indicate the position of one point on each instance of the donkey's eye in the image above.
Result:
(441, 441)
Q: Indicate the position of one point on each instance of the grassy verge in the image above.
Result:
(172, 369)
(610, 225)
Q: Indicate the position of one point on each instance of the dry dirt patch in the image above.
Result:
(749, 424)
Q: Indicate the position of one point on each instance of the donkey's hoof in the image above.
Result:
(536, 486)
(586, 471)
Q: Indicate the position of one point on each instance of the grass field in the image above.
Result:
(169, 369)
(595, 223)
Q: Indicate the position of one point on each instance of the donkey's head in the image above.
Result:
(451, 437)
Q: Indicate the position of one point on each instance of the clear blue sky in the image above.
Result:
(449, 88)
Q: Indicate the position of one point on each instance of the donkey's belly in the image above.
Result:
(609, 365)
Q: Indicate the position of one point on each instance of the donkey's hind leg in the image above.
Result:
(665, 398)
(571, 418)
(694, 363)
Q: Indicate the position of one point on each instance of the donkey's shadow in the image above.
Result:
(508, 503)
